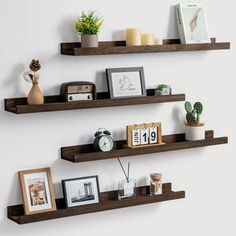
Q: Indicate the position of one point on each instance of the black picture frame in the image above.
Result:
(112, 90)
(87, 199)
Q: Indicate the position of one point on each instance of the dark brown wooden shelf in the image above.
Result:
(119, 47)
(57, 103)
(108, 202)
(173, 142)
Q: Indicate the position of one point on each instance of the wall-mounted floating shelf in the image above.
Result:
(119, 47)
(108, 202)
(173, 142)
(57, 103)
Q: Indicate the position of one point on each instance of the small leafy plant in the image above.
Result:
(160, 87)
(193, 113)
(89, 23)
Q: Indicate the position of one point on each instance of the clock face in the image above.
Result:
(106, 143)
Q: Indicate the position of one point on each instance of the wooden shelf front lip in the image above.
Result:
(108, 202)
(55, 103)
(84, 153)
(119, 47)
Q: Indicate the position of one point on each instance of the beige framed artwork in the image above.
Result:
(37, 191)
(140, 135)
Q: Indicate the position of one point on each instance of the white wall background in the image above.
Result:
(34, 29)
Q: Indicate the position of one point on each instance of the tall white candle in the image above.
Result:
(133, 37)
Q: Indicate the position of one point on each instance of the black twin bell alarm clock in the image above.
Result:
(103, 140)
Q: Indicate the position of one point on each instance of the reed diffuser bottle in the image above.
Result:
(127, 186)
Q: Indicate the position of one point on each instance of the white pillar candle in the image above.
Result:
(158, 42)
(133, 37)
(147, 39)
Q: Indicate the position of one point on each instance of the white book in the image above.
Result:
(192, 24)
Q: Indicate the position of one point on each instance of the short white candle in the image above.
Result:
(133, 37)
(147, 39)
(158, 42)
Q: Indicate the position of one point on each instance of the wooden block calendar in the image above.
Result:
(144, 135)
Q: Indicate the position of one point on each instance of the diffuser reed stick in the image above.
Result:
(126, 175)
(128, 171)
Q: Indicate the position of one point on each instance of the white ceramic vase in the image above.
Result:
(193, 133)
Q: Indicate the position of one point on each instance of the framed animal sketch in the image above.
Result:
(192, 24)
(37, 191)
(126, 82)
(144, 135)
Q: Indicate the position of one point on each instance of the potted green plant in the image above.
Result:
(88, 26)
(162, 89)
(194, 129)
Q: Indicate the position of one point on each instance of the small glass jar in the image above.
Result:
(155, 184)
(126, 189)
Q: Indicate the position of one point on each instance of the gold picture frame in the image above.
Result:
(37, 191)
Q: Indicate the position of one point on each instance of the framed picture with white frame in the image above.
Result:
(37, 191)
(126, 82)
(192, 23)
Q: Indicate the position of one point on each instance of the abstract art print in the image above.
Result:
(81, 191)
(126, 82)
(192, 24)
(37, 191)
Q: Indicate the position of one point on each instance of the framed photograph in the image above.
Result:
(81, 191)
(37, 191)
(126, 82)
(192, 24)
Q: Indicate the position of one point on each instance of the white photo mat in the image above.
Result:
(34, 178)
(126, 84)
(74, 191)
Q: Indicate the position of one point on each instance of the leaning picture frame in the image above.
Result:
(126, 82)
(37, 191)
(81, 191)
(192, 23)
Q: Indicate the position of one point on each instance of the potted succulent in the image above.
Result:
(194, 129)
(88, 26)
(162, 89)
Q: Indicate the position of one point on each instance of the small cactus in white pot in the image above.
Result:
(194, 128)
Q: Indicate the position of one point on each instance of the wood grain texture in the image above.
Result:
(83, 153)
(57, 103)
(108, 202)
(119, 47)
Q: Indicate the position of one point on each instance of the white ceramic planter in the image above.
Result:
(89, 41)
(194, 132)
(164, 91)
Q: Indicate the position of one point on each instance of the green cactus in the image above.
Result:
(188, 107)
(193, 114)
(199, 108)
